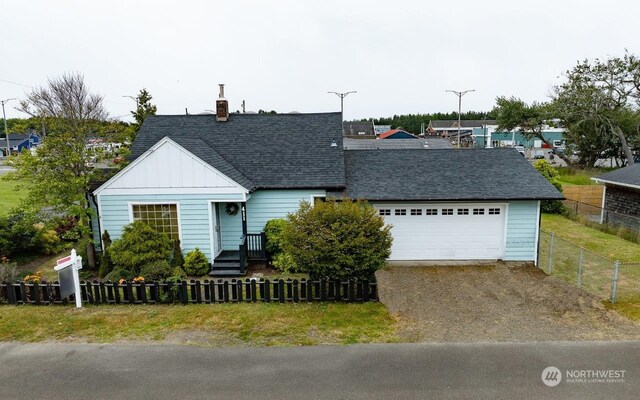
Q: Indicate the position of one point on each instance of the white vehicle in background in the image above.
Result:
(520, 149)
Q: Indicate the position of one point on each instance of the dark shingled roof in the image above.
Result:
(257, 151)
(446, 174)
(629, 175)
(14, 140)
(371, 144)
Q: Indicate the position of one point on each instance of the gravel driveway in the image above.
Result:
(494, 304)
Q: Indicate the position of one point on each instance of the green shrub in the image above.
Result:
(140, 245)
(119, 273)
(338, 239)
(274, 230)
(106, 265)
(285, 263)
(196, 263)
(8, 271)
(178, 273)
(177, 259)
(47, 241)
(156, 271)
(552, 175)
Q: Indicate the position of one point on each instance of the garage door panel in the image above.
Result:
(446, 237)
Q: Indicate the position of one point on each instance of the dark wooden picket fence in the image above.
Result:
(195, 292)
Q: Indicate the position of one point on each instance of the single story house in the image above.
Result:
(358, 129)
(213, 181)
(396, 134)
(19, 142)
(621, 196)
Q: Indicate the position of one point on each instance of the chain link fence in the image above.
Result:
(601, 276)
(612, 220)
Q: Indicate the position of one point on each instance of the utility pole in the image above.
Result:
(342, 96)
(459, 94)
(4, 117)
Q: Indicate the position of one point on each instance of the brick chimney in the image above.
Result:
(222, 106)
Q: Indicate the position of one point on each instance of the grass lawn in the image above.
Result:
(605, 244)
(203, 324)
(597, 271)
(9, 197)
(571, 176)
(629, 309)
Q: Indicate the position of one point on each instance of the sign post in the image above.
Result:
(68, 277)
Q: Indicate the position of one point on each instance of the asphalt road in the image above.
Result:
(382, 371)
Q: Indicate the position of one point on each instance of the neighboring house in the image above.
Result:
(358, 129)
(449, 127)
(493, 138)
(621, 196)
(396, 134)
(213, 181)
(423, 143)
(378, 129)
(19, 142)
(484, 133)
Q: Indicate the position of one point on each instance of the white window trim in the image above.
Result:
(157, 202)
(506, 225)
(313, 197)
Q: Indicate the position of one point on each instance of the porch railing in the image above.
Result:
(243, 254)
(256, 246)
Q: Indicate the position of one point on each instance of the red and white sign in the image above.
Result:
(63, 260)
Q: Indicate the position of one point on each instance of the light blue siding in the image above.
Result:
(522, 220)
(262, 206)
(193, 215)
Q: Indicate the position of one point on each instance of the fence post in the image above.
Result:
(614, 284)
(580, 267)
(553, 235)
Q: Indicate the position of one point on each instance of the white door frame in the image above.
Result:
(215, 232)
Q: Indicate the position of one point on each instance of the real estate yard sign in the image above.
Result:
(67, 268)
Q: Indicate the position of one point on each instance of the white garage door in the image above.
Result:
(446, 231)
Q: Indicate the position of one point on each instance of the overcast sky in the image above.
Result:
(400, 56)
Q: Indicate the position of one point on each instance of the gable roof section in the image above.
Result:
(263, 151)
(393, 132)
(628, 176)
(446, 174)
(160, 169)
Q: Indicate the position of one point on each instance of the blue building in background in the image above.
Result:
(19, 142)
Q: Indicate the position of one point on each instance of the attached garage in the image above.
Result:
(452, 204)
(446, 231)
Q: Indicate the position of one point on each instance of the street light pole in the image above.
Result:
(4, 117)
(342, 96)
(459, 94)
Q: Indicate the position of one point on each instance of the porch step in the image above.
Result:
(227, 264)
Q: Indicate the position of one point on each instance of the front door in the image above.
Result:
(216, 235)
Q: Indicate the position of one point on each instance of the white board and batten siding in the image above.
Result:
(479, 231)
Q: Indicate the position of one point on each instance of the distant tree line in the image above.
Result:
(412, 122)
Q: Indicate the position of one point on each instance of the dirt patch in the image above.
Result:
(495, 303)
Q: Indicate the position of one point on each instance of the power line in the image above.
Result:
(16, 83)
